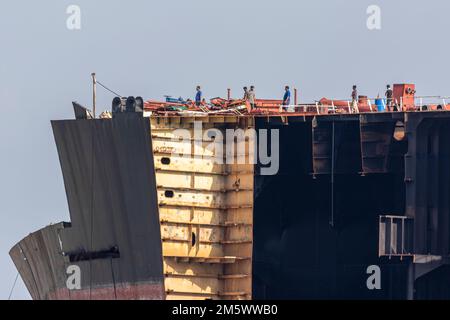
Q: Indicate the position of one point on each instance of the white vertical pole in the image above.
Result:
(94, 93)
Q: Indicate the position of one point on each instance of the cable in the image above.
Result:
(105, 87)
(29, 267)
(65, 261)
(13, 286)
(113, 279)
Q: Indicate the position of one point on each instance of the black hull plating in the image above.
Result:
(316, 224)
(109, 179)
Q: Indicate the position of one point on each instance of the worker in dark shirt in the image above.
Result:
(287, 96)
(198, 96)
(245, 94)
(355, 97)
(389, 97)
(252, 97)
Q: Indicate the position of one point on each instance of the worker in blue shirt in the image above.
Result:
(287, 96)
(198, 97)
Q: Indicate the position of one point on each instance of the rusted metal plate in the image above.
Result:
(206, 213)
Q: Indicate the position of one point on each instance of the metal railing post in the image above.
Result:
(94, 94)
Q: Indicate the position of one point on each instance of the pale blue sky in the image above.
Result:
(152, 48)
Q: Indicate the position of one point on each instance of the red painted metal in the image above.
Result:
(403, 94)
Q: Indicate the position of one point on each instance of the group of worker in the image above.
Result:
(249, 95)
(389, 94)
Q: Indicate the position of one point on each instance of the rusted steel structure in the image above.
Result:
(355, 188)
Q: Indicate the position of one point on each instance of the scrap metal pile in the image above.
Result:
(215, 106)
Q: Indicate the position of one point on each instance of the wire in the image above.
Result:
(13, 286)
(105, 87)
(113, 279)
(31, 270)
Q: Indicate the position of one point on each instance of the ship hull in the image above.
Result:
(314, 230)
(113, 242)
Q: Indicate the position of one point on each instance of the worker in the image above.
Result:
(287, 96)
(389, 97)
(355, 97)
(198, 96)
(252, 97)
(245, 94)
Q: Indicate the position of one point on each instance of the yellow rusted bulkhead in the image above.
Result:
(205, 208)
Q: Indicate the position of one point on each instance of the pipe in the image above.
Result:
(295, 96)
(229, 94)
(94, 93)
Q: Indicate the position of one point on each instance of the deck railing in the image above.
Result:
(421, 103)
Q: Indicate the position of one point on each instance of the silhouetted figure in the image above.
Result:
(389, 98)
(287, 96)
(252, 97)
(245, 94)
(198, 96)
